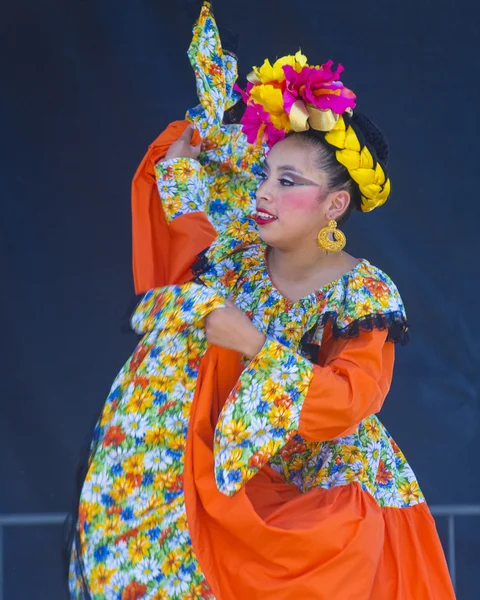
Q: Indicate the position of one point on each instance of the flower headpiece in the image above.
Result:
(291, 95)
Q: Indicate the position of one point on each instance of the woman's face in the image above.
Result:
(291, 207)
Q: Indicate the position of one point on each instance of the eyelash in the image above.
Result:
(284, 182)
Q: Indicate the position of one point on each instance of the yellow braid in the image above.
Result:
(364, 170)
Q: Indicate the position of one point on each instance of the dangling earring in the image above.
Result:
(331, 245)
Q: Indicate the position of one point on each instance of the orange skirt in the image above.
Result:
(270, 541)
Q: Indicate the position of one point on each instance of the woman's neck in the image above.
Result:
(300, 272)
(301, 263)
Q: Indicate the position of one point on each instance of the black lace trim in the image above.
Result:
(395, 322)
(201, 265)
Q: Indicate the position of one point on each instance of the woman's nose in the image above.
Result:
(264, 192)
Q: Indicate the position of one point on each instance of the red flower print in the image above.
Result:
(164, 536)
(114, 510)
(166, 406)
(376, 286)
(131, 533)
(383, 474)
(114, 436)
(134, 591)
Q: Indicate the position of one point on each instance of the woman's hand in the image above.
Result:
(231, 328)
(182, 148)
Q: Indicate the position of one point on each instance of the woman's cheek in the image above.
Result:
(300, 200)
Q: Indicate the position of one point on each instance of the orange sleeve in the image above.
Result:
(350, 385)
(163, 252)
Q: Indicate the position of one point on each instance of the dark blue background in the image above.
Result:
(85, 87)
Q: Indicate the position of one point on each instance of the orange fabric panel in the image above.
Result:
(351, 384)
(270, 542)
(163, 253)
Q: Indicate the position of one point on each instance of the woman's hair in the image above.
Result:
(338, 176)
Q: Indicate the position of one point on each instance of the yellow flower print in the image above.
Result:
(364, 308)
(272, 390)
(280, 416)
(410, 492)
(184, 170)
(172, 563)
(138, 548)
(166, 479)
(100, 577)
(121, 489)
(111, 526)
(351, 453)
(235, 431)
(372, 427)
(134, 465)
(140, 401)
(156, 436)
(171, 206)
(234, 460)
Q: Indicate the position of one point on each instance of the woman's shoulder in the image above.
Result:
(366, 298)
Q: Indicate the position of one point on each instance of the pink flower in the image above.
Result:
(318, 86)
(256, 118)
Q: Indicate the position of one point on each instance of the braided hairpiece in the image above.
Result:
(291, 96)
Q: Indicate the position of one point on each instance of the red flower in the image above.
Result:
(114, 436)
(135, 479)
(166, 406)
(257, 460)
(137, 357)
(377, 287)
(141, 381)
(164, 536)
(134, 590)
(114, 510)
(383, 474)
(131, 533)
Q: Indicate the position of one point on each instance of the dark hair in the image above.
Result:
(338, 176)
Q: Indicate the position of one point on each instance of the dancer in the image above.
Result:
(238, 455)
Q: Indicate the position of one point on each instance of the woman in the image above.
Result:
(238, 455)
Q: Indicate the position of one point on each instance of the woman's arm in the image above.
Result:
(281, 394)
(166, 240)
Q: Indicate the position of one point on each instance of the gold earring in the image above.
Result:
(331, 245)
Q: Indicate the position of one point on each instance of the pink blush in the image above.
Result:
(305, 200)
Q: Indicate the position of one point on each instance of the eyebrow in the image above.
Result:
(290, 168)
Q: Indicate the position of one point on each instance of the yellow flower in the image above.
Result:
(89, 510)
(101, 577)
(268, 72)
(156, 436)
(280, 416)
(235, 431)
(351, 453)
(111, 526)
(165, 480)
(234, 460)
(134, 464)
(121, 489)
(172, 563)
(372, 428)
(138, 548)
(171, 205)
(410, 492)
(272, 390)
(141, 400)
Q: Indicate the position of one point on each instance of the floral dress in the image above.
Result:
(212, 476)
